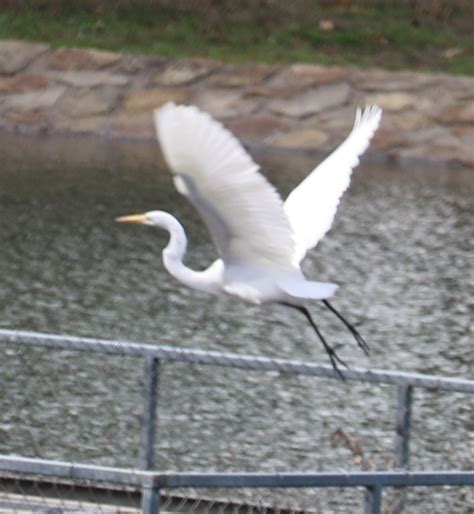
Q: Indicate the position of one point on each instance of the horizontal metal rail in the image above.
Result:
(319, 479)
(172, 480)
(168, 353)
(75, 471)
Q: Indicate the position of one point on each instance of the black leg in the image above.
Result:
(360, 340)
(334, 358)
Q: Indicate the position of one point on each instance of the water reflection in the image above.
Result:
(399, 249)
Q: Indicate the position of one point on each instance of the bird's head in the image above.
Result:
(161, 219)
(155, 218)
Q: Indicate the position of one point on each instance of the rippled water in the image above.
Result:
(400, 250)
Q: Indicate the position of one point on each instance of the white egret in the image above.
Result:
(260, 240)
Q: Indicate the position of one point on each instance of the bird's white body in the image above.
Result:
(254, 284)
(260, 240)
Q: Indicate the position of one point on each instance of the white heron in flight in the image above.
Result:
(260, 239)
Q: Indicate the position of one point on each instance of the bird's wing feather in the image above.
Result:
(242, 211)
(312, 205)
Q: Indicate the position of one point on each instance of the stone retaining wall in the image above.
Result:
(302, 106)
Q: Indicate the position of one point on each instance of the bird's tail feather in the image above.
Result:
(307, 289)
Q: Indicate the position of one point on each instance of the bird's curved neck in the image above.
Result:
(173, 255)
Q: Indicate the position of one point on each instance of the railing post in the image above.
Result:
(150, 403)
(403, 427)
(373, 500)
(150, 500)
(402, 440)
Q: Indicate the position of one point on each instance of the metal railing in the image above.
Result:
(151, 483)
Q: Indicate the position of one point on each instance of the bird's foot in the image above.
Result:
(334, 358)
(361, 342)
(359, 339)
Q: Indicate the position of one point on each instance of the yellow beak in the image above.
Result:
(134, 218)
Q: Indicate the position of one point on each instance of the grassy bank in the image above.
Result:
(393, 35)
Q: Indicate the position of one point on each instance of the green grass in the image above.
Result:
(390, 37)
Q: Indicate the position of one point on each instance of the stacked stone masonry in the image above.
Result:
(427, 117)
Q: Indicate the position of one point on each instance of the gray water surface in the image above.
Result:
(399, 249)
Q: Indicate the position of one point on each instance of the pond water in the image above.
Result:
(399, 249)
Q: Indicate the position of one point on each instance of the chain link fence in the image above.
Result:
(29, 494)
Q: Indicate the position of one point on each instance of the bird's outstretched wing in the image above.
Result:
(312, 205)
(243, 212)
